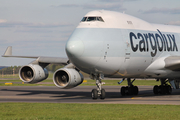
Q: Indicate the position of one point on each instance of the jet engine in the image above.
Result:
(67, 78)
(33, 73)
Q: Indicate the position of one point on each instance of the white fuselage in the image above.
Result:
(123, 46)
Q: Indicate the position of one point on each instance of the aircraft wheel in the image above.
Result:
(163, 89)
(130, 90)
(135, 90)
(126, 90)
(155, 89)
(123, 91)
(94, 94)
(103, 94)
(169, 89)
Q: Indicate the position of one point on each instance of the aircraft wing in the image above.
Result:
(173, 63)
(40, 59)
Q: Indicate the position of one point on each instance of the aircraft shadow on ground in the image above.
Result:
(83, 94)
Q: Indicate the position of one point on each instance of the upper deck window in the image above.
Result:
(94, 18)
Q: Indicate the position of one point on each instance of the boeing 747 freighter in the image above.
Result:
(116, 45)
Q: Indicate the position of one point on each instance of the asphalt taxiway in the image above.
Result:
(82, 94)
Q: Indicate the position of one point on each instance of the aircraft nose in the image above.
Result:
(74, 48)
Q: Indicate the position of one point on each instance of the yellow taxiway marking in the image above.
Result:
(84, 81)
(8, 83)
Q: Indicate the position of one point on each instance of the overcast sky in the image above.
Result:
(42, 27)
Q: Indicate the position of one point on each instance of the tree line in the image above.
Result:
(15, 69)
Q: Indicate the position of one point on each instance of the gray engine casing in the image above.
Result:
(67, 78)
(32, 73)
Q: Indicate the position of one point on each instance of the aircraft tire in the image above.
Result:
(94, 94)
(103, 94)
(155, 89)
(126, 90)
(123, 91)
(135, 90)
(130, 90)
(168, 89)
(163, 89)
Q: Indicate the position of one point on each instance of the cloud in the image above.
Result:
(4, 41)
(33, 25)
(162, 10)
(110, 0)
(104, 6)
(48, 25)
(110, 6)
(117, 0)
(174, 23)
(3, 21)
(66, 5)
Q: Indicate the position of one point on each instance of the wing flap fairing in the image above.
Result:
(172, 63)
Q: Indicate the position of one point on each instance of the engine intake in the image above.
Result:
(32, 73)
(67, 78)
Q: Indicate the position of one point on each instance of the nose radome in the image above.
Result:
(74, 48)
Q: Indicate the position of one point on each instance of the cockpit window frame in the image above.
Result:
(84, 19)
(93, 18)
(100, 19)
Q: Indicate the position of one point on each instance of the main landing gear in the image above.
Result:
(164, 88)
(99, 92)
(130, 89)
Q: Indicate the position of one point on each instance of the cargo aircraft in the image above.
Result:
(116, 45)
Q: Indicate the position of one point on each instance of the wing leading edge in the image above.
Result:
(40, 59)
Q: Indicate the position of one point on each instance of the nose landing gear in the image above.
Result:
(99, 92)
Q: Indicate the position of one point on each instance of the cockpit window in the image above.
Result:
(91, 19)
(100, 19)
(84, 19)
(94, 18)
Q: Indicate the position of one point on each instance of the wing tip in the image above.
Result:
(8, 51)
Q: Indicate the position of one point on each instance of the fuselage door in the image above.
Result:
(127, 54)
(127, 45)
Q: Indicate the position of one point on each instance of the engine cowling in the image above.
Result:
(32, 73)
(67, 78)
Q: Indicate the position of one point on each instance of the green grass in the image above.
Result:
(10, 76)
(88, 83)
(115, 82)
(14, 79)
(61, 111)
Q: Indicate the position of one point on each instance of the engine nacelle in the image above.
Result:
(32, 73)
(67, 78)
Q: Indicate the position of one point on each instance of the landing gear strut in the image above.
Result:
(130, 89)
(99, 92)
(164, 88)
